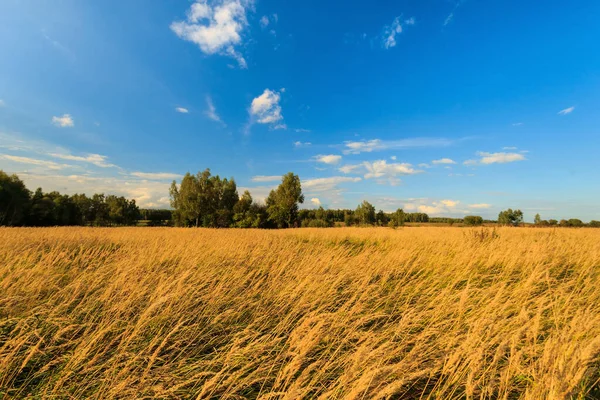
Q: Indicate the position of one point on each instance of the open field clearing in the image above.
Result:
(351, 313)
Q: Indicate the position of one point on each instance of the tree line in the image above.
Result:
(21, 207)
(206, 200)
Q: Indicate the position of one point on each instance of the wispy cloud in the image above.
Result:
(66, 121)
(95, 159)
(34, 161)
(567, 111)
(266, 178)
(264, 21)
(509, 148)
(391, 31)
(368, 146)
(182, 110)
(326, 184)
(216, 26)
(518, 124)
(480, 206)
(2, 103)
(156, 176)
(302, 144)
(300, 130)
(211, 111)
(449, 18)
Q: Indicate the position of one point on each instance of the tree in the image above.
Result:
(510, 217)
(42, 210)
(365, 213)
(14, 200)
(552, 222)
(473, 220)
(381, 218)
(537, 219)
(594, 224)
(122, 211)
(204, 200)
(576, 223)
(282, 203)
(398, 217)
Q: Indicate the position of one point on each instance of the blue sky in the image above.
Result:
(449, 108)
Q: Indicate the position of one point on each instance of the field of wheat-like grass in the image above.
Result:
(415, 313)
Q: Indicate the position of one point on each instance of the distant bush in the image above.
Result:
(473, 220)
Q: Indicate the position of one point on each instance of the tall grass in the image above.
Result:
(413, 313)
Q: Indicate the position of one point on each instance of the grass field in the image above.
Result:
(445, 313)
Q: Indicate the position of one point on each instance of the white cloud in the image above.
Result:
(509, 148)
(390, 31)
(437, 208)
(496, 158)
(500, 158)
(368, 146)
(211, 111)
(66, 121)
(266, 109)
(264, 21)
(316, 202)
(566, 111)
(299, 130)
(96, 159)
(449, 203)
(443, 161)
(393, 158)
(156, 176)
(331, 159)
(517, 124)
(216, 26)
(182, 110)
(480, 206)
(265, 178)
(302, 144)
(34, 161)
(346, 169)
(424, 165)
(2, 103)
(381, 168)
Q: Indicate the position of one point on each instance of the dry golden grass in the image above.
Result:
(443, 313)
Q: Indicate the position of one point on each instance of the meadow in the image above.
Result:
(341, 313)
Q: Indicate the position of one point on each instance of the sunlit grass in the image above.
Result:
(310, 313)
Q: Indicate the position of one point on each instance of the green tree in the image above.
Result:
(510, 217)
(282, 203)
(381, 218)
(537, 219)
(14, 200)
(365, 213)
(185, 201)
(473, 220)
